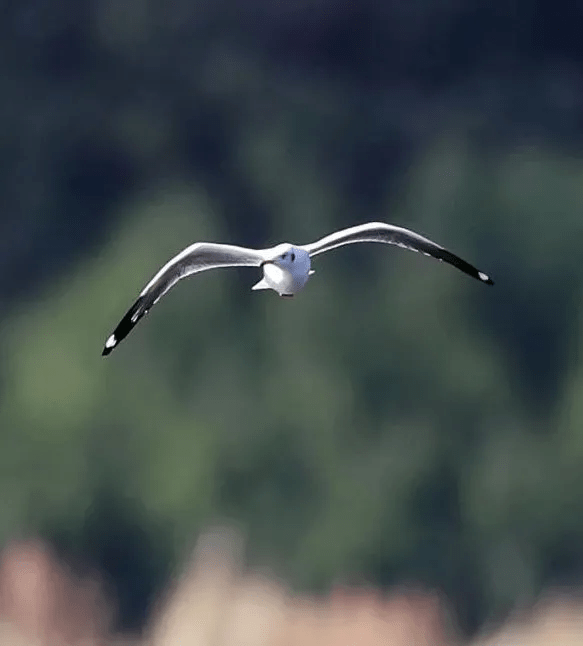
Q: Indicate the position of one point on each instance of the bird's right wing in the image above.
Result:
(192, 260)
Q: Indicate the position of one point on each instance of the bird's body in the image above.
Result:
(286, 267)
(286, 278)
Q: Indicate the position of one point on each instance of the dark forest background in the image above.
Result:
(395, 423)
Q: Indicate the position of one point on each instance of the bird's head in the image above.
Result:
(293, 259)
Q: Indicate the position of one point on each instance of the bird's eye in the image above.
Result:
(293, 256)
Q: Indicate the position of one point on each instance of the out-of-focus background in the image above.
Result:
(397, 424)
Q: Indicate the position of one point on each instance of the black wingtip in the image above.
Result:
(485, 278)
(132, 316)
(110, 344)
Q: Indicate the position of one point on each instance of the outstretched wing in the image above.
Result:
(390, 234)
(196, 258)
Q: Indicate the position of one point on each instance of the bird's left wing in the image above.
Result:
(390, 234)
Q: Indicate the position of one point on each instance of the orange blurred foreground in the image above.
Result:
(216, 601)
(217, 604)
(42, 602)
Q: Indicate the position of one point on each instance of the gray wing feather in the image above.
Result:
(200, 257)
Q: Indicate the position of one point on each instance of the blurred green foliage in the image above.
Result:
(396, 421)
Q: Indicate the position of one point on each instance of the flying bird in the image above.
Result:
(286, 267)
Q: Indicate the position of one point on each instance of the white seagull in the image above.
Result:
(286, 267)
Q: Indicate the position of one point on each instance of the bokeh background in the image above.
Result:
(397, 423)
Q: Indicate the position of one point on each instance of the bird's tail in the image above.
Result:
(262, 284)
(138, 310)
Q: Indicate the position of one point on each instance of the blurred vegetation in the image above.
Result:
(397, 421)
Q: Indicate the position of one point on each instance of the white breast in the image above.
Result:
(281, 280)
